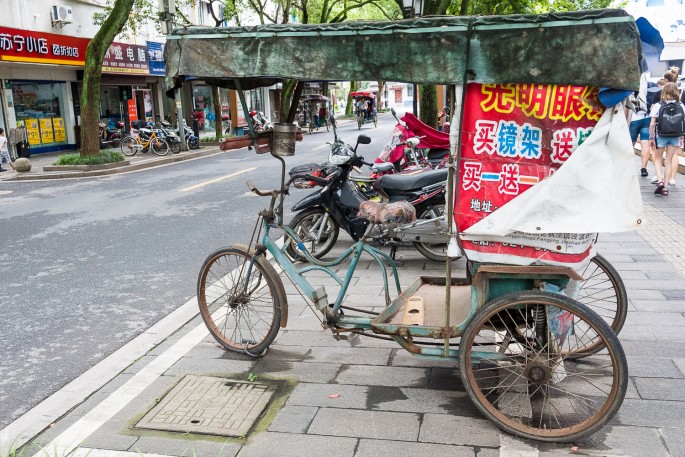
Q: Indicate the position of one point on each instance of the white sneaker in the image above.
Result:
(654, 179)
(671, 182)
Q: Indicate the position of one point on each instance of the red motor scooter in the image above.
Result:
(413, 146)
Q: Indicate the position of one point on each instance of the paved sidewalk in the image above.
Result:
(366, 397)
(40, 164)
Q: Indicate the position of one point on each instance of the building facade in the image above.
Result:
(42, 55)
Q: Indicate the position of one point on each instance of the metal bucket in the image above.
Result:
(284, 136)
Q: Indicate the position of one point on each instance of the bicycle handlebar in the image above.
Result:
(275, 193)
(268, 193)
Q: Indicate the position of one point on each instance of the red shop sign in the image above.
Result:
(126, 58)
(28, 46)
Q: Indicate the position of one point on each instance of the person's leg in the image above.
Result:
(674, 166)
(645, 150)
(670, 150)
(658, 164)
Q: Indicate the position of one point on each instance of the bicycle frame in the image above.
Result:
(273, 217)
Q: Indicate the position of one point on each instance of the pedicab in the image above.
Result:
(538, 167)
(308, 117)
(365, 108)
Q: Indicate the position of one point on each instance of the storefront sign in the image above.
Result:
(132, 110)
(32, 131)
(60, 131)
(46, 133)
(28, 46)
(126, 58)
(155, 56)
(515, 136)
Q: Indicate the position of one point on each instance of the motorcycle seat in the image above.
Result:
(382, 167)
(408, 182)
(437, 154)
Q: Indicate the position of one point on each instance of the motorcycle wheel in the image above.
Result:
(302, 224)
(175, 147)
(432, 251)
(359, 123)
(194, 143)
(375, 120)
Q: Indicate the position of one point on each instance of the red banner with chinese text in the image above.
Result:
(514, 136)
(29, 46)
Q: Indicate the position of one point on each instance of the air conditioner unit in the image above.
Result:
(62, 14)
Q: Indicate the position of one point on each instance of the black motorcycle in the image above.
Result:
(322, 213)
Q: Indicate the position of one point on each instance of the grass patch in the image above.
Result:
(212, 139)
(100, 159)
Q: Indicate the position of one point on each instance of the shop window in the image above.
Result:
(111, 105)
(41, 108)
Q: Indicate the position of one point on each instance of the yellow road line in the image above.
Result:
(212, 181)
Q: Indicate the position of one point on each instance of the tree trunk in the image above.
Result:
(92, 75)
(218, 122)
(349, 107)
(428, 101)
(292, 112)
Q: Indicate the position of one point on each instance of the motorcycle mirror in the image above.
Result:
(363, 139)
(394, 114)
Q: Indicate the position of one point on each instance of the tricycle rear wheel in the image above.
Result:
(522, 377)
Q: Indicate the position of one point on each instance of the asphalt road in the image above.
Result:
(87, 265)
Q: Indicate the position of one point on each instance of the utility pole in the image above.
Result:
(168, 9)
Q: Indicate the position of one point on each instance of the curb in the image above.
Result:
(54, 173)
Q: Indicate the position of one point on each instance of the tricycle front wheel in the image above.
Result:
(522, 377)
(602, 290)
(241, 298)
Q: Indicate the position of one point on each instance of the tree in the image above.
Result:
(92, 74)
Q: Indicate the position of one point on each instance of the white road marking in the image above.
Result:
(52, 408)
(321, 147)
(70, 439)
(212, 181)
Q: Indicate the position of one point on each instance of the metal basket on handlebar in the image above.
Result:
(313, 169)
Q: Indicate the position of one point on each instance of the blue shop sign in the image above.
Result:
(155, 53)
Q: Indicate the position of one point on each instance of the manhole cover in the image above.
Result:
(209, 405)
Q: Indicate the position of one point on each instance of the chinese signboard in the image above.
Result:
(515, 136)
(155, 56)
(28, 46)
(126, 58)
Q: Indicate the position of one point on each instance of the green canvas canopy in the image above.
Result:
(598, 48)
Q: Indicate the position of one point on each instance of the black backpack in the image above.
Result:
(671, 120)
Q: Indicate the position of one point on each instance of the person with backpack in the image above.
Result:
(666, 131)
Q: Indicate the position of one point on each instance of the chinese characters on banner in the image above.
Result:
(126, 58)
(514, 136)
(155, 57)
(29, 46)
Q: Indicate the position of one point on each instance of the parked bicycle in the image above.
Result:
(144, 139)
